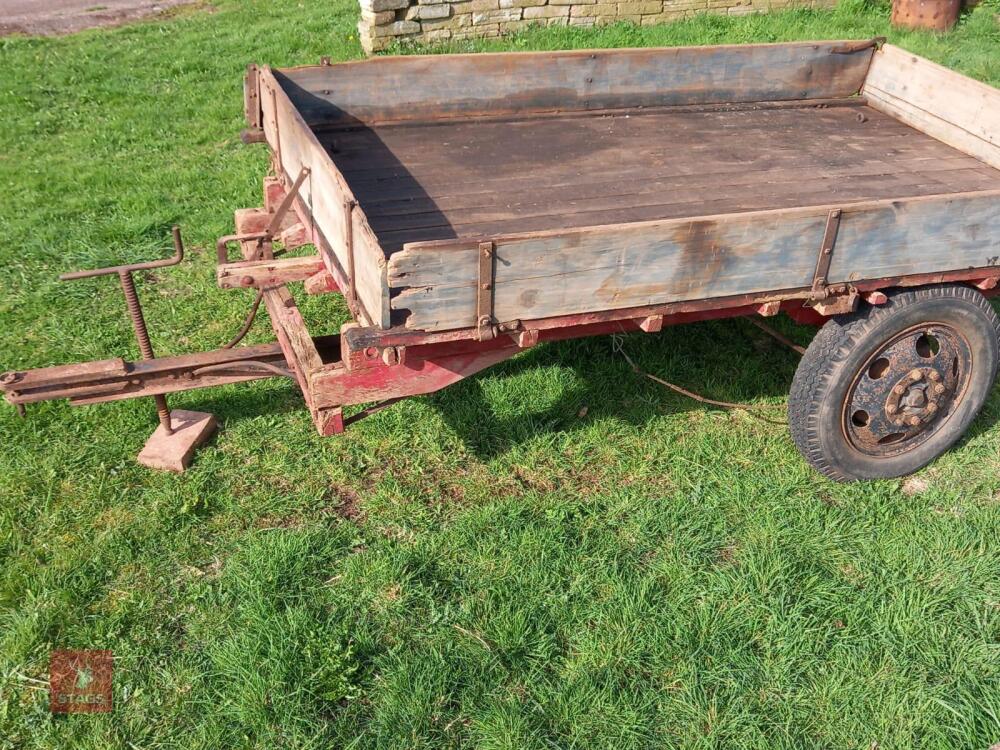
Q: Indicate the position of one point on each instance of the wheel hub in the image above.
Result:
(906, 390)
(918, 395)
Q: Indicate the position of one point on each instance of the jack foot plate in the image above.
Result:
(173, 452)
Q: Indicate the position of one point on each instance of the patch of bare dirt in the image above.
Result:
(915, 486)
(54, 17)
(346, 503)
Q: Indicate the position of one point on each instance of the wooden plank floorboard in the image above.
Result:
(653, 155)
(473, 178)
(833, 136)
(626, 214)
(635, 185)
(584, 212)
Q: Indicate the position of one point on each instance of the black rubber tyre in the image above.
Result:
(883, 391)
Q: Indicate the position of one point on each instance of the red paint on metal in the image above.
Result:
(340, 386)
(805, 316)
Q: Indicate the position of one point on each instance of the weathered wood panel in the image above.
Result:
(435, 86)
(942, 103)
(630, 265)
(918, 236)
(327, 194)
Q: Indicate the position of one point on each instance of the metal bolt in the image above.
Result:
(8, 378)
(939, 388)
(890, 409)
(934, 375)
(916, 375)
(914, 421)
(246, 281)
(899, 389)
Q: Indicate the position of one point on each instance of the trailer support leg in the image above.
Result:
(172, 451)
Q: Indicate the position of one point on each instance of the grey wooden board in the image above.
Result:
(918, 236)
(433, 86)
(631, 265)
(940, 102)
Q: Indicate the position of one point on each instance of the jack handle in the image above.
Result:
(124, 274)
(177, 257)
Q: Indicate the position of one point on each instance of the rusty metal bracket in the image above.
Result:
(352, 287)
(265, 238)
(824, 298)
(484, 291)
(254, 133)
(851, 47)
(820, 289)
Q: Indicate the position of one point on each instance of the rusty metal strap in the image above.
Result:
(819, 283)
(263, 239)
(851, 47)
(484, 291)
(352, 288)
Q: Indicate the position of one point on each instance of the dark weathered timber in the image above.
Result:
(439, 86)
(471, 178)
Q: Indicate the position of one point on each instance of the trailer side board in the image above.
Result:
(547, 274)
(347, 241)
(946, 105)
(429, 87)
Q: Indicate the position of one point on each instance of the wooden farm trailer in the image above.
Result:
(470, 206)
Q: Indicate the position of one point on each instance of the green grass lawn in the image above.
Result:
(555, 554)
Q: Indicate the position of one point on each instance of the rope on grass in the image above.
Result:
(617, 346)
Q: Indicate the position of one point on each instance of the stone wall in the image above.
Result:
(386, 21)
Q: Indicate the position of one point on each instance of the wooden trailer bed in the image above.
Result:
(470, 206)
(627, 178)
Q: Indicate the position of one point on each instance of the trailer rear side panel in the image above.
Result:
(953, 108)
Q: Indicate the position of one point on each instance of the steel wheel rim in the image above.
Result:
(907, 390)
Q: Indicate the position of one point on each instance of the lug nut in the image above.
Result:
(932, 407)
(939, 388)
(916, 375)
(890, 409)
(900, 389)
(934, 375)
(914, 421)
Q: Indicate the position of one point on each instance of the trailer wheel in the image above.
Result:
(885, 390)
